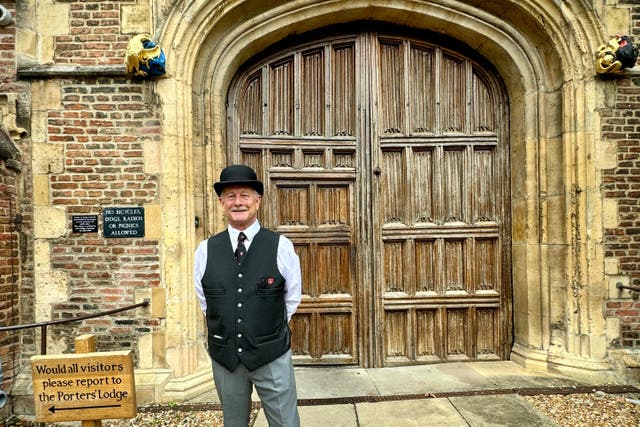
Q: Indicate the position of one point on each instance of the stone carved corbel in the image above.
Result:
(9, 116)
(145, 58)
(9, 153)
(617, 54)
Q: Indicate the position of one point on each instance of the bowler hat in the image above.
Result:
(238, 175)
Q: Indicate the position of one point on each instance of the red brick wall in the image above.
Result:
(103, 125)
(628, 311)
(9, 270)
(16, 248)
(7, 52)
(94, 37)
(622, 183)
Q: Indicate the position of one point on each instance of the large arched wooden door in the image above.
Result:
(385, 160)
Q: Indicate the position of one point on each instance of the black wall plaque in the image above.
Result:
(123, 222)
(84, 223)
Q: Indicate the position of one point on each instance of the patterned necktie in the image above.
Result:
(241, 251)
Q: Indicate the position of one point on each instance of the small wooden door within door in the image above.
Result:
(385, 162)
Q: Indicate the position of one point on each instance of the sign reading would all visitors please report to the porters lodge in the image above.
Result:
(123, 222)
(83, 387)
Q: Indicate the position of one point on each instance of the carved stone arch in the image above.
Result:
(542, 50)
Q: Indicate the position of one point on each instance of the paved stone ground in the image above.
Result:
(465, 394)
(583, 409)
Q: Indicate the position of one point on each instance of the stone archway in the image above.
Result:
(543, 53)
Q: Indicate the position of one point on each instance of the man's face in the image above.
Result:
(240, 205)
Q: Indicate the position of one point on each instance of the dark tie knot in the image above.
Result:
(241, 237)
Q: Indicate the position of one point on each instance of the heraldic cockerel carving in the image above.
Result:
(145, 59)
(618, 53)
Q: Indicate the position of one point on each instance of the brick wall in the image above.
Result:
(622, 126)
(94, 37)
(7, 52)
(103, 125)
(9, 268)
(16, 249)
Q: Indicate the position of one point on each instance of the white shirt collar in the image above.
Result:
(250, 232)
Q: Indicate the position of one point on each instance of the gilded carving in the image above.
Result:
(145, 58)
(616, 54)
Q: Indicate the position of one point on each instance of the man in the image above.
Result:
(248, 283)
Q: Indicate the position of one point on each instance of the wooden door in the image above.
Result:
(384, 160)
(440, 206)
(295, 124)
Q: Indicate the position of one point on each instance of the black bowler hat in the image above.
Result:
(238, 175)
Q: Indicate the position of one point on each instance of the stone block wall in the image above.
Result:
(621, 125)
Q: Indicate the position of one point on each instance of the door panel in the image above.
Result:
(317, 214)
(386, 164)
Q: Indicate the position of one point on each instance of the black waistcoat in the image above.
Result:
(246, 311)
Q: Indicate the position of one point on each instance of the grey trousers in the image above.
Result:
(275, 384)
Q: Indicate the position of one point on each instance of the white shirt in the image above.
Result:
(287, 261)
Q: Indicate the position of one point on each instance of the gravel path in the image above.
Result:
(154, 416)
(175, 417)
(593, 409)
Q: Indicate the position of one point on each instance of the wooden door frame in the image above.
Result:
(368, 339)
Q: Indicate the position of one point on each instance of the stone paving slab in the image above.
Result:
(320, 416)
(418, 413)
(468, 411)
(427, 378)
(317, 383)
(499, 410)
(506, 374)
(334, 382)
